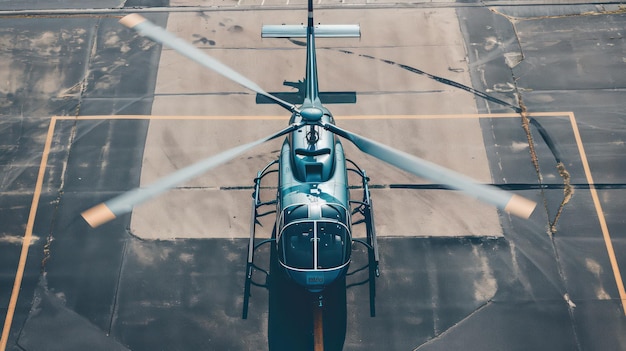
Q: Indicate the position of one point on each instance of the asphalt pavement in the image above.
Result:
(553, 131)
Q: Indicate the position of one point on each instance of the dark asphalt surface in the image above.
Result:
(104, 289)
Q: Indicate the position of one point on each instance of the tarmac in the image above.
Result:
(89, 110)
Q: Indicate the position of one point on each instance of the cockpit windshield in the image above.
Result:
(314, 245)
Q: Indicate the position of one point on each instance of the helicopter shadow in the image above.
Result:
(297, 97)
(291, 310)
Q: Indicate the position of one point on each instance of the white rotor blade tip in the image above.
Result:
(132, 20)
(520, 206)
(98, 215)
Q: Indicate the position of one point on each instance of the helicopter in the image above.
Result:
(314, 217)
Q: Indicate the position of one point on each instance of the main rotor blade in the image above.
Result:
(504, 200)
(160, 35)
(124, 203)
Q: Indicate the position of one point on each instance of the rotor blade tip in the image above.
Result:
(98, 215)
(520, 206)
(132, 20)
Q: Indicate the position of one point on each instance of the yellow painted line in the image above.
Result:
(453, 116)
(27, 238)
(458, 116)
(191, 118)
(286, 117)
(598, 206)
(44, 160)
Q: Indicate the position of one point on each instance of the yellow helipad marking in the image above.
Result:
(598, 206)
(46, 151)
(27, 237)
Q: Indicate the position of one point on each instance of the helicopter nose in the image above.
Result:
(315, 281)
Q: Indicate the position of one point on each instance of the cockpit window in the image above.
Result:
(296, 212)
(331, 246)
(297, 245)
(334, 212)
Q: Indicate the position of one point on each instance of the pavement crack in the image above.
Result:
(568, 191)
(47, 247)
(531, 144)
(85, 80)
(46, 251)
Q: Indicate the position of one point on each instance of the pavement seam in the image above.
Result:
(115, 305)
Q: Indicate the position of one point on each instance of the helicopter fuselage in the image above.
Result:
(313, 217)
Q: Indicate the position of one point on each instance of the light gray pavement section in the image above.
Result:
(427, 39)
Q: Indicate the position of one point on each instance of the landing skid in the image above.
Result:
(254, 221)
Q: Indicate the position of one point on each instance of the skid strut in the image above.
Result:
(366, 209)
(252, 246)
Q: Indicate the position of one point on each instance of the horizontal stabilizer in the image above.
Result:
(338, 97)
(321, 31)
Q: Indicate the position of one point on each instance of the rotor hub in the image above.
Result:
(311, 114)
